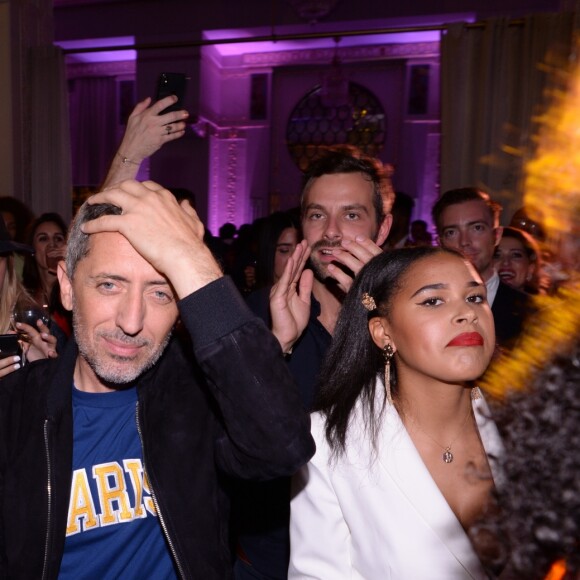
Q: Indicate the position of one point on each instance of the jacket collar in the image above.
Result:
(401, 460)
(59, 397)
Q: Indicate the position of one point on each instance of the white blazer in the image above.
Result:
(379, 516)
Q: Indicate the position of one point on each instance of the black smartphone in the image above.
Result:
(171, 84)
(9, 345)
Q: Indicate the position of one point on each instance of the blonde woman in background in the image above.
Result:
(36, 342)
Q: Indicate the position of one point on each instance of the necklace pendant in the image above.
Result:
(447, 455)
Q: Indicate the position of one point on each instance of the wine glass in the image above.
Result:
(52, 262)
(30, 314)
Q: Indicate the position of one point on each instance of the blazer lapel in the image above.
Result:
(401, 460)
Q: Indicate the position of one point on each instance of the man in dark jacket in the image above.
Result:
(114, 458)
(467, 220)
(345, 213)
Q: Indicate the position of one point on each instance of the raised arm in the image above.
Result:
(266, 428)
(290, 299)
(147, 131)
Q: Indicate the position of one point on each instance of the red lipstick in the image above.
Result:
(467, 339)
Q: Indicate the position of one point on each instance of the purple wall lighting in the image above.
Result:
(103, 55)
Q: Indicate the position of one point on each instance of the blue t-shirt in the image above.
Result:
(112, 527)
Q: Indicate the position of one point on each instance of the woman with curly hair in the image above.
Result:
(402, 436)
(536, 529)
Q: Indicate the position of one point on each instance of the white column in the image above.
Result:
(229, 198)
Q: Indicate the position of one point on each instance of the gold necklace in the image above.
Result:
(447, 455)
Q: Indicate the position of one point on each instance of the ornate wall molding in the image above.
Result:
(214, 184)
(355, 53)
(232, 181)
(101, 69)
(228, 185)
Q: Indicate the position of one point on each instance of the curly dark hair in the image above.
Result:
(538, 516)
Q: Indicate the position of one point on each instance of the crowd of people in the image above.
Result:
(301, 397)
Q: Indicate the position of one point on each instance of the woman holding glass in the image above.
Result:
(47, 236)
(401, 469)
(18, 313)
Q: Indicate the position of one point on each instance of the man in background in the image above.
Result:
(467, 220)
(345, 216)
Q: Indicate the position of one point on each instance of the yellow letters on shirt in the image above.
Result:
(148, 500)
(112, 493)
(140, 482)
(112, 483)
(81, 506)
(135, 471)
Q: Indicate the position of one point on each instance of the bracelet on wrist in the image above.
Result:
(127, 161)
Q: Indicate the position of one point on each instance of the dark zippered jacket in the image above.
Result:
(221, 406)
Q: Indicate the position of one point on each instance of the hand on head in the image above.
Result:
(167, 234)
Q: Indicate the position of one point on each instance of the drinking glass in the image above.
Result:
(52, 263)
(29, 314)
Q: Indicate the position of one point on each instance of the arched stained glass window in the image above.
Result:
(314, 126)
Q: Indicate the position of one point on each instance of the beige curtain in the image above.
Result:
(50, 164)
(492, 85)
